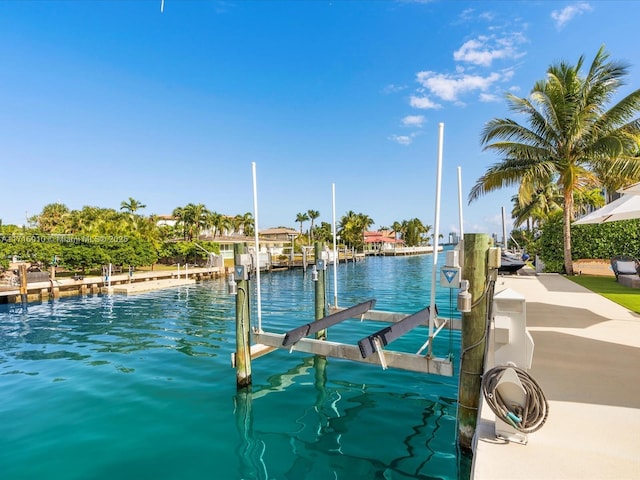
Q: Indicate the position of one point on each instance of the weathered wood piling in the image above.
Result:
(476, 248)
(320, 289)
(243, 340)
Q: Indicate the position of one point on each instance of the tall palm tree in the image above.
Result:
(301, 218)
(132, 205)
(313, 214)
(570, 137)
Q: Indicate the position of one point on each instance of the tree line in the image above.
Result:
(87, 238)
(352, 226)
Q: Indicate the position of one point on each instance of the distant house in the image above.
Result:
(282, 234)
(380, 241)
(166, 220)
(273, 241)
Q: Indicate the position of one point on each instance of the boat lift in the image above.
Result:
(369, 349)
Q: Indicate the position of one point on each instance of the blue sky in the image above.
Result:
(106, 100)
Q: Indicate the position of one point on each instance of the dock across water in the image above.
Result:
(123, 283)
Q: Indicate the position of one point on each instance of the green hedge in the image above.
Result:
(588, 241)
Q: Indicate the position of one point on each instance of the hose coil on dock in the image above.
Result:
(527, 419)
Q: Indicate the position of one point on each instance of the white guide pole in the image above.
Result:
(504, 232)
(436, 234)
(460, 202)
(257, 244)
(335, 247)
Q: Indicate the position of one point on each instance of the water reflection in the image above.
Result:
(250, 451)
(342, 432)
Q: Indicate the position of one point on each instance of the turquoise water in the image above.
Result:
(140, 387)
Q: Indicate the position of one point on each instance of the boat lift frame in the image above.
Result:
(363, 351)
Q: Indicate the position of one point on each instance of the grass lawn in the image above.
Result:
(609, 288)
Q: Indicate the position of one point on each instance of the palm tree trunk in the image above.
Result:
(566, 230)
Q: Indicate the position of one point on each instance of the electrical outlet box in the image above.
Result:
(495, 255)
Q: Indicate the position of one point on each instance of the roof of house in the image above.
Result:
(279, 231)
(384, 236)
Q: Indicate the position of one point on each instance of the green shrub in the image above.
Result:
(588, 241)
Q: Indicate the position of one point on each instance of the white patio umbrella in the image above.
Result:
(626, 207)
(631, 189)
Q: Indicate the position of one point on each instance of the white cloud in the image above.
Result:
(393, 88)
(489, 97)
(467, 14)
(423, 102)
(470, 14)
(485, 49)
(488, 16)
(449, 87)
(402, 139)
(413, 121)
(562, 17)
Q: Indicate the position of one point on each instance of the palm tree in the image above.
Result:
(588, 201)
(534, 207)
(243, 223)
(214, 221)
(313, 214)
(132, 205)
(323, 232)
(178, 214)
(352, 227)
(397, 228)
(195, 218)
(415, 231)
(52, 217)
(570, 137)
(301, 217)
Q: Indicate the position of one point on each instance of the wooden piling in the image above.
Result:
(23, 283)
(243, 341)
(476, 247)
(320, 290)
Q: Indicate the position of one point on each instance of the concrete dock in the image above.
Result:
(587, 361)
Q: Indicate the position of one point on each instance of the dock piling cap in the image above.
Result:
(511, 389)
